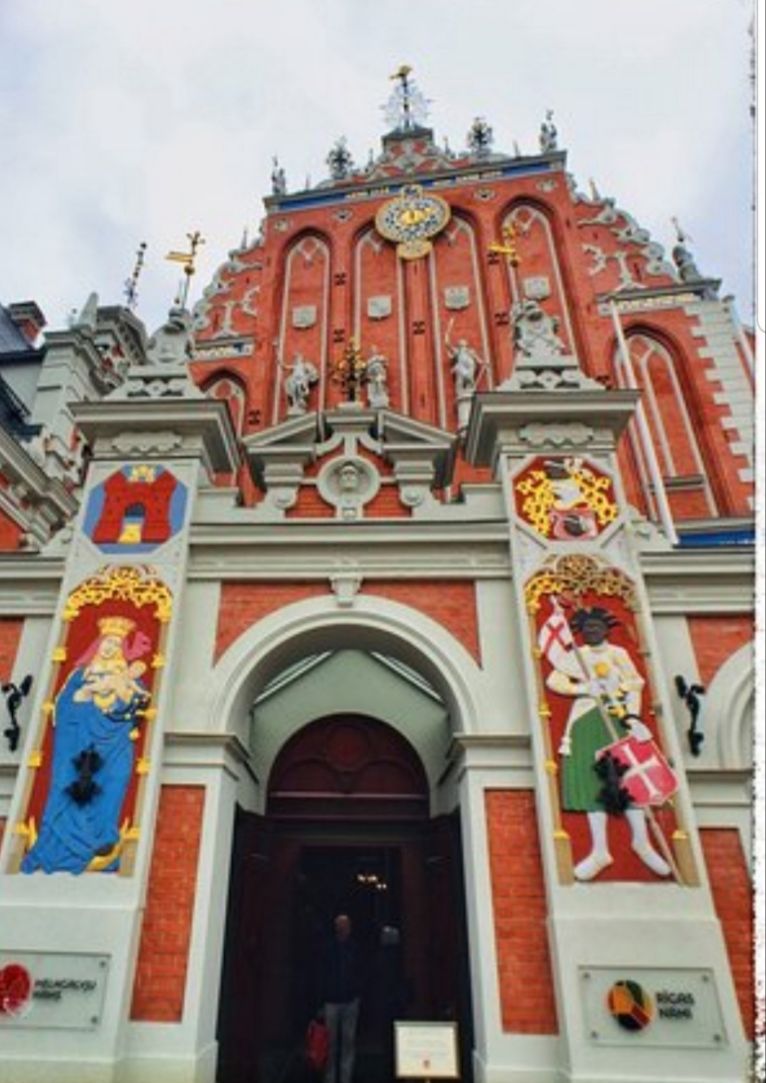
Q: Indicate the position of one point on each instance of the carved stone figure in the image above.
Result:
(301, 376)
(535, 332)
(376, 375)
(278, 179)
(548, 134)
(465, 363)
(171, 344)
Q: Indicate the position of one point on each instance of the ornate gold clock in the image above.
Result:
(411, 219)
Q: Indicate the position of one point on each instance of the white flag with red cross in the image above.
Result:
(649, 778)
(556, 643)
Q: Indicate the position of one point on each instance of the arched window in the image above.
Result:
(231, 390)
(670, 424)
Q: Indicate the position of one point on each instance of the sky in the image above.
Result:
(142, 121)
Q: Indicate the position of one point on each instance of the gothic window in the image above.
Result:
(538, 274)
(670, 424)
(231, 390)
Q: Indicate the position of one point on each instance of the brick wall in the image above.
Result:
(10, 534)
(733, 897)
(10, 634)
(716, 638)
(451, 603)
(518, 902)
(160, 982)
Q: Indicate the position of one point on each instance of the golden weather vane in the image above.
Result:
(508, 247)
(187, 259)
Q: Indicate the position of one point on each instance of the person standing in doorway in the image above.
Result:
(342, 988)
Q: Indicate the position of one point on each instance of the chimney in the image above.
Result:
(28, 318)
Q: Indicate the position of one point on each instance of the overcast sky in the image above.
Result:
(140, 120)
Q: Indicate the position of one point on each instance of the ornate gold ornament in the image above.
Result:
(135, 584)
(541, 496)
(574, 574)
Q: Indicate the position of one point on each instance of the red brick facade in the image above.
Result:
(716, 638)
(518, 903)
(451, 603)
(160, 981)
(10, 634)
(733, 896)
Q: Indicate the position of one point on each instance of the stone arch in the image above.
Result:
(319, 624)
(729, 710)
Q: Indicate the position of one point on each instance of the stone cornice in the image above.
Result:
(47, 504)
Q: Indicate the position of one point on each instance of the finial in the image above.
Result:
(548, 134)
(131, 284)
(682, 257)
(681, 235)
(88, 313)
(245, 242)
(480, 138)
(187, 259)
(278, 179)
(340, 160)
(406, 108)
(595, 195)
(516, 149)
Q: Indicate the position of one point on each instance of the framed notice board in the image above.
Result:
(425, 1050)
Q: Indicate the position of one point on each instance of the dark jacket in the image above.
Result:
(340, 978)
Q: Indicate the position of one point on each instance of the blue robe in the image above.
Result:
(71, 833)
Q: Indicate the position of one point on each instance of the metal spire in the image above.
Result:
(131, 284)
(407, 108)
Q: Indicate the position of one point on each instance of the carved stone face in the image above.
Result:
(348, 478)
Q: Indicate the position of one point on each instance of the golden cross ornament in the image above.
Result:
(508, 247)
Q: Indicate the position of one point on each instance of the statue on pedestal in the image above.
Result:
(298, 383)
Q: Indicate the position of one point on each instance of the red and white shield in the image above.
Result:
(649, 778)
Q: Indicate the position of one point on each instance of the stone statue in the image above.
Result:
(548, 134)
(301, 376)
(466, 365)
(278, 179)
(171, 344)
(376, 375)
(535, 332)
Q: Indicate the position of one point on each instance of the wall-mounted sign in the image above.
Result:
(426, 1050)
(52, 990)
(653, 1007)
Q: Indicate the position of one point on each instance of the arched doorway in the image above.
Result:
(347, 829)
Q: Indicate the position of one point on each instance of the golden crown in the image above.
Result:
(116, 626)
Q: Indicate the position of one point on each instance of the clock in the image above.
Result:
(411, 219)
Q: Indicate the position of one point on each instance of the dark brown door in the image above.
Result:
(346, 830)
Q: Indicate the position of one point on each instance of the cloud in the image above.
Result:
(123, 123)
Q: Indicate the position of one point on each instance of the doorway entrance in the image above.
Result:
(346, 831)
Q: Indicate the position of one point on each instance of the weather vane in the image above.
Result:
(406, 108)
(187, 259)
(508, 247)
(350, 371)
(131, 284)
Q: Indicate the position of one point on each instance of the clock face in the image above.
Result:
(411, 219)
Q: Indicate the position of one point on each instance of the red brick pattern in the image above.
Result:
(10, 534)
(716, 638)
(10, 634)
(518, 902)
(452, 604)
(733, 897)
(242, 604)
(160, 982)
